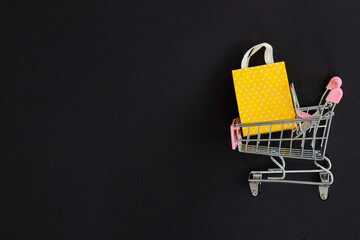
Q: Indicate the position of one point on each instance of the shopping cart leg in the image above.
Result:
(324, 189)
(326, 178)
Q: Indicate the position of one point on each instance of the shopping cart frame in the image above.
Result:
(308, 140)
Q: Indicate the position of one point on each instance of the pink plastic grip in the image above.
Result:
(233, 133)
(334, 95)
(334, 82)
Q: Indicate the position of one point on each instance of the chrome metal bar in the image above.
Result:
(291, 141)
(273, 151)
(283, 139)
(310, 108)
(290, 181)
(303, 140)
(281, 166)
(258, 138)
(326, 169)
(269, 138)
(328, 130)
(247, 137)
(289, 171)
(322, 97)
(317, 125)
(324, 133)
(281, 134)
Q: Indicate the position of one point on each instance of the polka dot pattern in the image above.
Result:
(263, 94)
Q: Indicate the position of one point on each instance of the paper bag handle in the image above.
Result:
(268, 56)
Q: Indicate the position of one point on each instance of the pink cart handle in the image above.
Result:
(334, 95)
(335, 82)
(233, 133)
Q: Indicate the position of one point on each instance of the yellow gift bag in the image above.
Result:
(262, 92)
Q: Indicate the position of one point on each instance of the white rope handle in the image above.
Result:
(268, 56)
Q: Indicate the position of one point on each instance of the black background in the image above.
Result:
(115, 119)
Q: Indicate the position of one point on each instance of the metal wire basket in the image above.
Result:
(307, 140)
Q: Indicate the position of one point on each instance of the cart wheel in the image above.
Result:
(324, 189)
(255, 186)
(324, 192)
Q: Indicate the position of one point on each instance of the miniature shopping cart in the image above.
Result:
(307, 140)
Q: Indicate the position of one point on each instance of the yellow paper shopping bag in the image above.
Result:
(262, 92)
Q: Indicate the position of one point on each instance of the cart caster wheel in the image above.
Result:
(324, 192)
(254, 186)
(324, 189)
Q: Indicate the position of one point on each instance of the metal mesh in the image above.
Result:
(307, 140)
